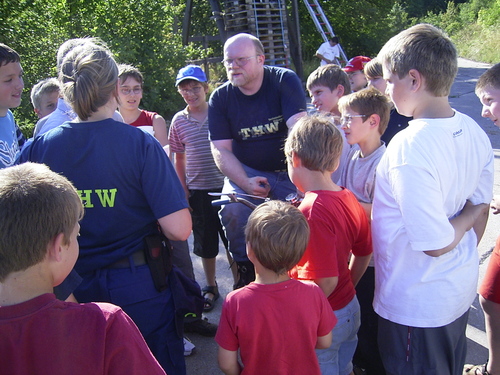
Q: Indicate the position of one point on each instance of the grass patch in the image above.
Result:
(478, 43)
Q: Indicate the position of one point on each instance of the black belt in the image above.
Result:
(136, 259)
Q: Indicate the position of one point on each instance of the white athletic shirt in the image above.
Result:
(328, 52)
(424, 179)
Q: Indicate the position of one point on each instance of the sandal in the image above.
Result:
(210, 302)
(475, 370)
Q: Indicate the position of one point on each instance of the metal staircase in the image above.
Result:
(321, 22)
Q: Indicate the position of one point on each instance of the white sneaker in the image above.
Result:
(188, 347)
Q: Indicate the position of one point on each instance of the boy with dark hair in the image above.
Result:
(44, 96)
(326, 85)
(430, 209)
(11, 88)
(340, 245)
(93, 338)
(488, 91)
(293, 316)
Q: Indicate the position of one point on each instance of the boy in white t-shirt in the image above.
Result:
(430, 209)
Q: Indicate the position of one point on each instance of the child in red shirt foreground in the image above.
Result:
(275, 322)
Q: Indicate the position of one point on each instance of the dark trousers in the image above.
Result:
(367, 355)
(416, 351)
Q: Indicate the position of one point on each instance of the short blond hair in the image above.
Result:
(36, 205)
(426, 49)
(316, 141)
(278, 234)
(367, 102)
(45, 86)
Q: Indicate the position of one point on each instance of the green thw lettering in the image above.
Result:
(107, 197)
(85, 197)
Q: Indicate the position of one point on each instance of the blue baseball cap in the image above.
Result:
(190, 72)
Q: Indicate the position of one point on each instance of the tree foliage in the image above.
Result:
(473, 26)
(147, 34)
(143, 33)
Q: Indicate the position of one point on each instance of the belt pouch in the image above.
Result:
(157, 251)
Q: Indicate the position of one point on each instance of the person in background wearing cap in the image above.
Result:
(329, 52)
(248, 118)
(195, 166)
(130, 94)
(354, 69)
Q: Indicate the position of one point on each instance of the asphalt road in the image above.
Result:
(204, 359)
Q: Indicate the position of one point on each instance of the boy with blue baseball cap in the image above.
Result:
(197, 172)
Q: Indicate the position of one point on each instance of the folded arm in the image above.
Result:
(472, 216)
(358, 265)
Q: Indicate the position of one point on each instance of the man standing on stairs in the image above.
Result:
(249, 118)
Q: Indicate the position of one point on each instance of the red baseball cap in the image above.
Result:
(356, 63)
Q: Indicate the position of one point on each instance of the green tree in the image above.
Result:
(147, 34)
(142, 33)
(363, 26)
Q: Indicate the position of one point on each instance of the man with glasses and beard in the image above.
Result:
(249, 118)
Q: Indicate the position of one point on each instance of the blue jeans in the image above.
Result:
(337, 359)
(235, 216)
(153, 312)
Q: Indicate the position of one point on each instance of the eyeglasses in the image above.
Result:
(192, 90)
(345, 120)
(240, 61)
(127, 91)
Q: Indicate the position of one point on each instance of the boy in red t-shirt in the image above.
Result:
(340, 245)
(39, 226)
(274, 317)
